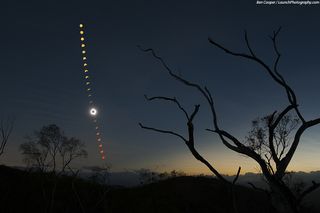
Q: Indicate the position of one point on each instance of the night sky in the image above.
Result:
(42, 80)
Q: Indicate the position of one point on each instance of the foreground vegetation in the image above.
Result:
(23, 191)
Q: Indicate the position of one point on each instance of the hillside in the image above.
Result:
(23, 191)
(186, 194)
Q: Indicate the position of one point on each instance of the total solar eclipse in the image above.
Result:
(93, 111)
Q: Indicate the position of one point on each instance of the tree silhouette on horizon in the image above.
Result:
(50, 146)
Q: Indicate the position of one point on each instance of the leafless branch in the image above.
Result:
(168, 99)
(276, 144)
(233, 191)
(190, 141)
(195, 111)
(171, 72)
(291, 95)
(286, 160)
(272, 125)
(276, 77)
(248, 45)
(237, 176)
(6, 127)
(240, 148)
(163, 131)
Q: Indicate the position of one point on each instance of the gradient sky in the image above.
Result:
(42, 80)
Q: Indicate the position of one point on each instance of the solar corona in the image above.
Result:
(93, 112)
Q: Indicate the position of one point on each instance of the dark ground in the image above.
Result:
(23, 191)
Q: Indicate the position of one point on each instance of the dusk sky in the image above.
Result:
(42, 80)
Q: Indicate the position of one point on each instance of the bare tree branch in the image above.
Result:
(195, 111)
(273, 142)
(204, 91)
(291, 95)
(169, 99)
(190, 141)
(289, 91)
(6, 127)
(248, 45)
(233, 191)
(237, 176)
(163, 131)
(272, 125)
(170, 71)
(286, 160)
(240, 148)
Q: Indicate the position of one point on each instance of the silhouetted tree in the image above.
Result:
(51, 138)
(44, 149)
(6, 126)
(273, 136)
(35, 155)
(70, 149)
(258, 140)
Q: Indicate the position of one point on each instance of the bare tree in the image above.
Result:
(50, 146)
(281, 152)
(34, 154)
(6, 126)
(258, 141)
(70, 149)
(190, 127)
(51, 138)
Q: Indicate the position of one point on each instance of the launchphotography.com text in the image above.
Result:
(287, 2)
